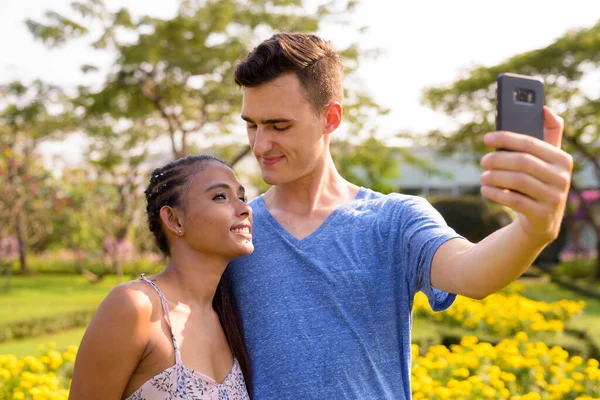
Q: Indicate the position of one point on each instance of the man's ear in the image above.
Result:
(333, 117)
(172, 220)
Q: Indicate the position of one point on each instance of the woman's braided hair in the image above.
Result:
(167, 188)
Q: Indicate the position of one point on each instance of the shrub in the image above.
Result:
(471, 216)
(66, 262)
(576, 269)
(45, 325)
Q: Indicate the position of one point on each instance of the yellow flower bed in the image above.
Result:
(503, 314)
(514, 369)
(37, 378)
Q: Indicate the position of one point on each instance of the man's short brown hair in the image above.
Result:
(314, 61)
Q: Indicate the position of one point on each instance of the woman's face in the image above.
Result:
(217, 220)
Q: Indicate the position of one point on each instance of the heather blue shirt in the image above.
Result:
(329, 316)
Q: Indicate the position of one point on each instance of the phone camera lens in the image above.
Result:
(524, 95)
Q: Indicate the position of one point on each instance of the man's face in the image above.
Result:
(285, 135)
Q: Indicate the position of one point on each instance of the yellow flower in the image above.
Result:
(521, 337)
(18, 395)
(469, 341)
(461, 373)
(4, 374)
(593, 363)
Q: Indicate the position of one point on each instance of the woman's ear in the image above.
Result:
(172, 219)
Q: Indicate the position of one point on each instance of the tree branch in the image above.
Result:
(147, 90)
(239, 156)
(582, 149)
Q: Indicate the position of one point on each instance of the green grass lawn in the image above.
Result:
(29, 347)
(551, 292)
(46, 295)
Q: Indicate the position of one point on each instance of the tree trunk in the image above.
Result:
(6, 265)
(117, 267)
(22, 239)
(79, 256)
(7, 284)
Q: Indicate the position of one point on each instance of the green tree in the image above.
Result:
(374, 164)
(173, 78)
(564, 66)
(99, 205)
(75, 226)
(31, 115)
(176, 75)
(370, 164)
(117, 158)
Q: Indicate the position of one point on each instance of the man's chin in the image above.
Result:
(272, 179)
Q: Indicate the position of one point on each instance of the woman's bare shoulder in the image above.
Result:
(134, 298)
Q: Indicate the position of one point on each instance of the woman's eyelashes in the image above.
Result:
(223, 196)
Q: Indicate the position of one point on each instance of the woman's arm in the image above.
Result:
(113, 345)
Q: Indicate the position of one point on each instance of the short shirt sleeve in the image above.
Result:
(423, 230)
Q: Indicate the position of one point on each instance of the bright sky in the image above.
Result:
(425, 42)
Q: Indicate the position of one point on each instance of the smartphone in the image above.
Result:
(520, 104)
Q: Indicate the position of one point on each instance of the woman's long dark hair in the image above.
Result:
(167, 187)
(230, 318)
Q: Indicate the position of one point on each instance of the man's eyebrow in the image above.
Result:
(268, 121)
(224, 186)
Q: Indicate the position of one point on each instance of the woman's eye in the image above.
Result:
(244, 199)
(250, 126)
(220, 196)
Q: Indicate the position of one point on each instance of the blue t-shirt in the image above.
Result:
(329, 316)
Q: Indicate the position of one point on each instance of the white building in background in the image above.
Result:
(461, 176)
(461, 173)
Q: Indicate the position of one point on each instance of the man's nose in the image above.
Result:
(262, 141)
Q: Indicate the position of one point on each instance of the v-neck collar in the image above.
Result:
(314, 234)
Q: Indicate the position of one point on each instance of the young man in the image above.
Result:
(326, 297)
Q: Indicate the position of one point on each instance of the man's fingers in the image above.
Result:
(516, 201)
(526, 144)
(528, 164)
(522, 183)
(553, 127)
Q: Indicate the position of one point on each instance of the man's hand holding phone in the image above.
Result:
(533, 178)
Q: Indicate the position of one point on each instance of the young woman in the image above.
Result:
(176, 335)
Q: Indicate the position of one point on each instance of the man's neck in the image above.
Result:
(323, 190)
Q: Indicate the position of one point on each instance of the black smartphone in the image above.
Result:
(520, 104)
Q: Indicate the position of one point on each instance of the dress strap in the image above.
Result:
(165, 308)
